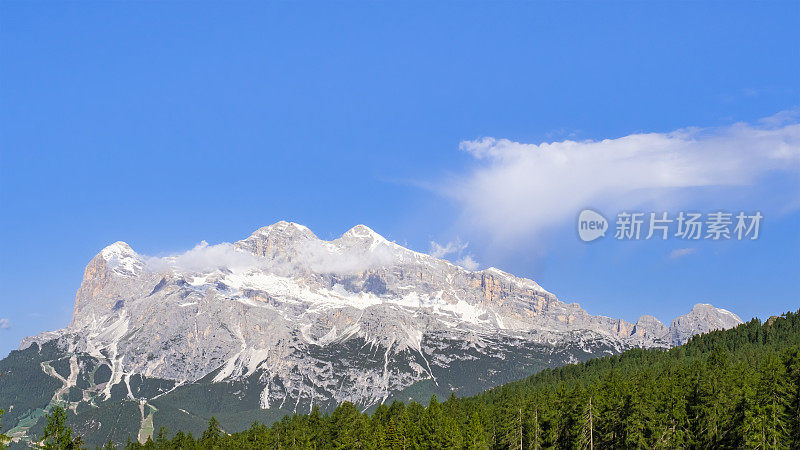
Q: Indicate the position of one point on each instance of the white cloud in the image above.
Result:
(520, 189)
(455, 248)
(319, 257)
(440, 251)
(468, 263)
(314, 256)
(204, 257)
(5, 324)
(681, 252)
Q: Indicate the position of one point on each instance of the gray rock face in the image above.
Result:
(702, 319)
(648, 327)
(288, 308)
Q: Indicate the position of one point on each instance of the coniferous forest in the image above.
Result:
(738, 388)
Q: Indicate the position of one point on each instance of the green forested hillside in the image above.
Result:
(727, 389)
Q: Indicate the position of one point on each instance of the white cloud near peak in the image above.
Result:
(520, 190)
(204, 257)
(453, 247)
(311, 255)
(5, 324)
(468, 262)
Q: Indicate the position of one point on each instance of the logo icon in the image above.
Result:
(591, 225)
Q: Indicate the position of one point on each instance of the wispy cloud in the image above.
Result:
(5, 324)
(519, 189)
(204, 257)
(681, 252)
(440, 251)
(455, 248)
(315, 256)
(468, 262)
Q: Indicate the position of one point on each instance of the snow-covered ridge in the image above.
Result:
(287, 247)
(122, 259)
(275, 260)
(286, 262)
(287, 305)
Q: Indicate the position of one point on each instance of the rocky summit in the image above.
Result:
(283, 321)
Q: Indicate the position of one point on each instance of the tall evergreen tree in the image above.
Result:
(57, 435)
(348, 427)
(512, 421)
(474, 435)
(393, 439)
(610, 429)
(792, 363)
(3, 438)
(211, 437)
(635, 418)
(161, 441)
(772, 400)
(534, 426)
(432, 429)
(587, 425)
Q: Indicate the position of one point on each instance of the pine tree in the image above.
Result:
(534, 427)
(712, 407)
(318, 428)
(432, 428)
(211, 436)
(751, 430)
(568, 413)
(587, 426)
(412, 424)
(378, 436)
(474, 435)
(672, 418)
(3, 438)
(611, 430)
(348, 427)
(792, 363)
(57, 435)
(393, 438)
(255, 436)
(161, 440)
(183, 440)
(634, 419)
(511, 420)
(451, 437)
(771, 394)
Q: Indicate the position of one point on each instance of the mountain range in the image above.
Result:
(283, 321)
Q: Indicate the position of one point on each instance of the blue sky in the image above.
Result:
(165, 124)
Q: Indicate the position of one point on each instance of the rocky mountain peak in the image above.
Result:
(702, 319)
(361, 238)
(283, 229)
(281, 239)
(708, 311)
(120, 258)
(117, 249)
(649, 327)
(363, 232)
